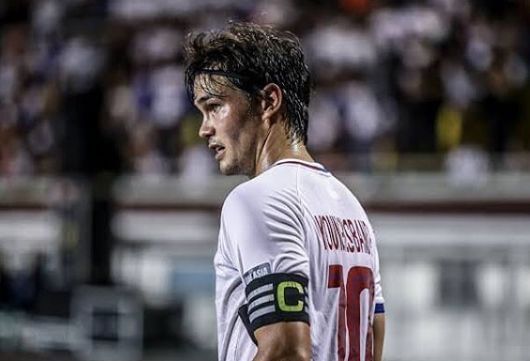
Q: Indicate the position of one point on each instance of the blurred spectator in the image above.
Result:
(363, 120)
(467, 166)
(195, 163)
(144, 157)
(324, 125)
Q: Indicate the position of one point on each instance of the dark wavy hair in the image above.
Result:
(251, 56)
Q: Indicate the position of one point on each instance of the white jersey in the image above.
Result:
(296, 220)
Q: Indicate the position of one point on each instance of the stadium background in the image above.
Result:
(109, 202)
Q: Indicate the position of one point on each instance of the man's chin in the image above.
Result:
(229, 169)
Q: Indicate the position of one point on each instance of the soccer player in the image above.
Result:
(297, 269)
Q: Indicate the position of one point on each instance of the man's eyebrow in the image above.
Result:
(203, 99)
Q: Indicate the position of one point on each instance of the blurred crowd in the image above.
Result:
(97, 86)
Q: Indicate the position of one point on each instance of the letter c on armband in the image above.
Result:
(282, 304)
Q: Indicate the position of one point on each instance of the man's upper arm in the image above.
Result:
(270, 254)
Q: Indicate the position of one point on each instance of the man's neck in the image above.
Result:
(276, 146)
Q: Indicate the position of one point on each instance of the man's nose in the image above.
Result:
(206, 130)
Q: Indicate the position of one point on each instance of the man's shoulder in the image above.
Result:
(268, 186)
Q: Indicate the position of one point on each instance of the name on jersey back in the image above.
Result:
(342, 234)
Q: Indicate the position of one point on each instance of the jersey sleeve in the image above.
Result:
(264, 232)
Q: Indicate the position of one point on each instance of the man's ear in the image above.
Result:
(271, 101)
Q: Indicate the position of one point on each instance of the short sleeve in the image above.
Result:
(265, 229)
(265, 234)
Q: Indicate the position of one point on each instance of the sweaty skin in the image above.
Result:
(246, 141)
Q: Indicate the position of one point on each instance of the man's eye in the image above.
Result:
(213, 107)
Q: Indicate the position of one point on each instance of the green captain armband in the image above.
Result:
(276, 297)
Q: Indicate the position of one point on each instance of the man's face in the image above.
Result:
(228, 125)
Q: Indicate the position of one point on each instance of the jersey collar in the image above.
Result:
(313, 165)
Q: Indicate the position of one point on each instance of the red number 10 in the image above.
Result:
(351, 311)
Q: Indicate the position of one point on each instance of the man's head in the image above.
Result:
(240, 77)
